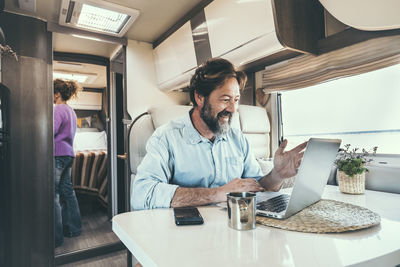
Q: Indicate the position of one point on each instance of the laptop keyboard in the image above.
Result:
(275, 204)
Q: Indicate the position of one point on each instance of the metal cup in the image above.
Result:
(241, 210)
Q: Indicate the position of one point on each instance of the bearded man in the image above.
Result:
(195, 160)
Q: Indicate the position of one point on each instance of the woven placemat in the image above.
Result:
(326, 216)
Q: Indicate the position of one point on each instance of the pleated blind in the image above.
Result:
(307, 70)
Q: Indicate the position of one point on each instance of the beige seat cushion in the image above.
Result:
(254, 124)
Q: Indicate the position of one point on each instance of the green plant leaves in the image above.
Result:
(351, 162)
(351, 166)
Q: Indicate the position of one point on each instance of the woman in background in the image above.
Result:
(67, 214)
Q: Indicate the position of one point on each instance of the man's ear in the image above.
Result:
(199, 99)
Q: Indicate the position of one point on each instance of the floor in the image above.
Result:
(116, 259)
(96, 229)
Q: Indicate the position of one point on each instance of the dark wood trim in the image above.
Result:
(129, 258)
(107, 111)
(126, 117)
(247, 93)
(94, 90)
(299, 24)
(88, 253)
(181, 22)
(261, 63)
(201, 41)
(118, 69)
(349, 37)
(253, 80)
(81, 58)
(120, 137)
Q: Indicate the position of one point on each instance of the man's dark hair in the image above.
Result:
(211, 75)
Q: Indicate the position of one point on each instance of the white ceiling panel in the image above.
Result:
(156, 16)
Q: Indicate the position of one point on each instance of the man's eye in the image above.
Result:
(226, 100)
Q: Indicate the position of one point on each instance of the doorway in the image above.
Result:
(122, 121)
(93, 174)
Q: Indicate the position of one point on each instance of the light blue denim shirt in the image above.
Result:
(177, 155)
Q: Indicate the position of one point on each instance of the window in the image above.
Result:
(362, 110)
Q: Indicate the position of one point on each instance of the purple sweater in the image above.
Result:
(64, 130)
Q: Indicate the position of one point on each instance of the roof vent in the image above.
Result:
(97, 16)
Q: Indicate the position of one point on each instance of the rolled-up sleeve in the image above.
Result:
(151, 188)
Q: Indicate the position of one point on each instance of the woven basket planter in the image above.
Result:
(351, 185)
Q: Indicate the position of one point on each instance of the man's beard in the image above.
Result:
(217, 127)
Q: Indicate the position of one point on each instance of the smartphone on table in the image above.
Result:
(187, 216)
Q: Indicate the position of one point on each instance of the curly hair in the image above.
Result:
(67, 89)
(212, 74)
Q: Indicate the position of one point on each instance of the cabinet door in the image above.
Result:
(87, 101)
(233, 23)
(175, 55)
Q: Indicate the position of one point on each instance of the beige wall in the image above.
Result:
(142, 91)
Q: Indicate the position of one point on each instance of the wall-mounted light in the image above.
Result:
(86, 37)
(86, 78)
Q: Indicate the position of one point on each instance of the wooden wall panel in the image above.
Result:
(29, 211)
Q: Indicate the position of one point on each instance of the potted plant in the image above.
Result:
(352, 168)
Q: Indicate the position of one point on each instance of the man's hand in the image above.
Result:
(239, 185)
(286, 163)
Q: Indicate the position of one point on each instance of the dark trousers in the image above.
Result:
(67, 214)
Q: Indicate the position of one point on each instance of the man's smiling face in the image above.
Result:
(220, 105)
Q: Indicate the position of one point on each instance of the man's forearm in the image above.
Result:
(272, 181)
(196, 196)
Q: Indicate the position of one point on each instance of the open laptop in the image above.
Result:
(309, 183)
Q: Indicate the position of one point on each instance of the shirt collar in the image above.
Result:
(192, 135)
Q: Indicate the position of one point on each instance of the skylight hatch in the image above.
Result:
(97, 16)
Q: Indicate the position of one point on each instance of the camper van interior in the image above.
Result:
(315, 69)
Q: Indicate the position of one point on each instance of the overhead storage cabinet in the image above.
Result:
(87, 101)
(175, 56)
(250, 34)
(241, 31)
